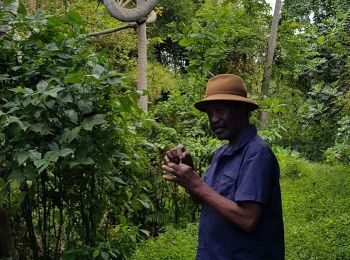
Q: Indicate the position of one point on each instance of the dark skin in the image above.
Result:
(227, 120)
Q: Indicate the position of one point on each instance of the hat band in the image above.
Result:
(228, 92)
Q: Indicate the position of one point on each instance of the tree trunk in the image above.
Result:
(142, 61)
(32, 5)
(140, 14)
(7, 246)
(270, 54)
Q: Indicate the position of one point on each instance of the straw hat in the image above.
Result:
(226, 87)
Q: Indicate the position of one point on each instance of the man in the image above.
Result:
(241, 215)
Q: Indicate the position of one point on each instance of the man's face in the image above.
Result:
(227, 119)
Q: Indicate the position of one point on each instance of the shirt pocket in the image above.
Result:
(227, 186)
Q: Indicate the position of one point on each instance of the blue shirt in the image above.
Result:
(248, 171)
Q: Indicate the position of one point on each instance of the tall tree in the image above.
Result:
(139, 14)
(32, 5)
(270, 53)
(142, 60)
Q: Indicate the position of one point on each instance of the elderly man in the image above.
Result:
(241, 215)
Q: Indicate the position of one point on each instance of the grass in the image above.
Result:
(316, 212)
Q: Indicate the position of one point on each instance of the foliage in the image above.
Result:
(71, 156)
(226, 38)
(316, 10)
(311, 75)
(120, 47)
(340, 152)
(274, 129)
(159, 80)
(171, 15)
(172, 244)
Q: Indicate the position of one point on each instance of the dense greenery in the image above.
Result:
(70, 153)
(80, 162)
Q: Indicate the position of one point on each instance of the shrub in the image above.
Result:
(340, 152)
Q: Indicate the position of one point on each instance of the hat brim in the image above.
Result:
(205, 103)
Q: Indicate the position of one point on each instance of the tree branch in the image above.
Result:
(116, 29)
(151, 19)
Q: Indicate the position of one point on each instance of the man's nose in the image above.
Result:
(214, 117)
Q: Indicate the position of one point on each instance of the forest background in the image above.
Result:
(80, 174)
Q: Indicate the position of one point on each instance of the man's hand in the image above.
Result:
(184, 175)
(178, 155)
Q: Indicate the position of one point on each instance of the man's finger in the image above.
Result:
(175, 153)
(170, 168)
(166, 160)
(169, 178)
(180, 148)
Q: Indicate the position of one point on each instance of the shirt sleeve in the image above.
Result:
(256, 177)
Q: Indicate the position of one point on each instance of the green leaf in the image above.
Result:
(76, 77)
(146, 232)
(98, 70)
(65, 151)
(14, 119)
(39, 163)
(105, 255)
(117, 179)
(40, 128)
(65, 97)
(320, 39)
(21, 157)
(96, 253)
(70, 135)
(184, 42)
(21, 9)
(72, 115)
(42, 85)
(53, 156)
(74, 17)
(34, 155)
(51, 47)
(84, 161)
(4, 77)
(85, 106)
(53, 92)
(144, 204)
(64, 56)
(91, 121)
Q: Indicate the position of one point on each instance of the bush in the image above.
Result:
(72, 161)
(340, 152)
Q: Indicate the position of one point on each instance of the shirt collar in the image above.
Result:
(244, 138)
